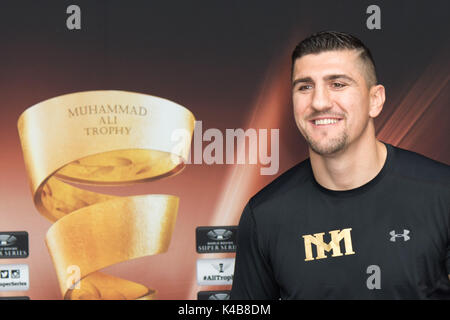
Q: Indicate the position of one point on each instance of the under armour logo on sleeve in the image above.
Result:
(403, 235)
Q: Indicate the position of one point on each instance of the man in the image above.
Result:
(359, 219)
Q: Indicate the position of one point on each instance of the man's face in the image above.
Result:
(331, 99)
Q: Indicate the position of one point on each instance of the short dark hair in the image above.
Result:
(334, 40)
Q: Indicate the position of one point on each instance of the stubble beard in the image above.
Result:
(329, 146)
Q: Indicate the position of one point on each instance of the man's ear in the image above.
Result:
(376, 100)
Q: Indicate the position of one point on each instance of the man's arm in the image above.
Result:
(253, 276)
(448, 261)
(448, 258)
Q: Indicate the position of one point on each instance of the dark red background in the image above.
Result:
(228, 62)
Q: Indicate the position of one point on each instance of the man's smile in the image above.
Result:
(326, 121)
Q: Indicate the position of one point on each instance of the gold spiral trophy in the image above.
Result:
(103, 138)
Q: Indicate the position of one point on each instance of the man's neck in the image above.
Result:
(351, 168)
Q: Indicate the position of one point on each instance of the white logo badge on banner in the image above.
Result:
(215, 271)
(14, 277)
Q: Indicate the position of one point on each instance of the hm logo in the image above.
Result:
(334, 244)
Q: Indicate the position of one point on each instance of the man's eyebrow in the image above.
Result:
(326, 78)
(339, 76)
(305, 79)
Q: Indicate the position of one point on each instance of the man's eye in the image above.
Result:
(338, 85)
(305, 87)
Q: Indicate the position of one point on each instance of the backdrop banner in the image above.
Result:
(140, 130)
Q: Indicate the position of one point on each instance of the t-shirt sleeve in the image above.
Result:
(447, 261)
(447, 257)
(253, 276)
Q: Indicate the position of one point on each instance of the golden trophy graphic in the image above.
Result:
(104, 137)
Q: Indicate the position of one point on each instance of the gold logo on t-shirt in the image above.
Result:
(321, 246)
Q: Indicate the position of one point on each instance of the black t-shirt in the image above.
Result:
(388, 239)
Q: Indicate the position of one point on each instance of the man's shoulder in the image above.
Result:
(283, 184)
(413, 165)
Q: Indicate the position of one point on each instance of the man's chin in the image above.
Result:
(329, 148)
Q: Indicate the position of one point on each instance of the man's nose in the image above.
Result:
(321, 98)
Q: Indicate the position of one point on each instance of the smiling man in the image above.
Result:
(358, 219)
